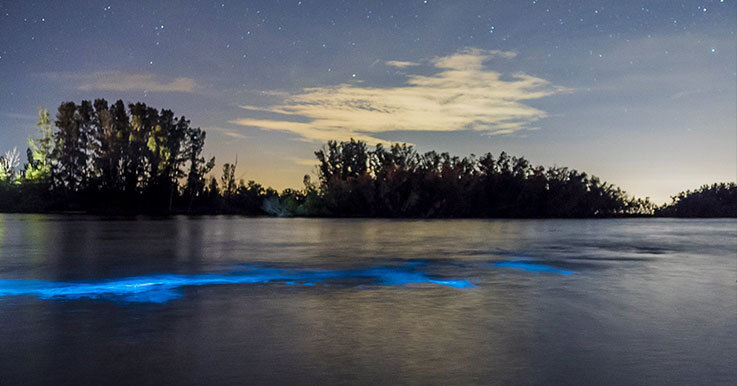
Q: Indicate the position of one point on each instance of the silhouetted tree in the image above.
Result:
(716, 200)
(227, 180)
(198, 167)
(400, 182)
(69, 149)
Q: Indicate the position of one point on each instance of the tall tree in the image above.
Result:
(227, 180)
(68, 149)
(84, 118)
(198, 167)
(119, 136)
(134, 153)
(38, 168)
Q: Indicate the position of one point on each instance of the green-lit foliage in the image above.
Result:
(38, 168)
(109, 158)
(9, 163)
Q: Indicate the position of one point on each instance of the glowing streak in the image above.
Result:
(532, 267)
(163, 288)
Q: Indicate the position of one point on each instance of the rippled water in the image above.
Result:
(310, 301)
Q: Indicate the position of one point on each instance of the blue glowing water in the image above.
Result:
(165, 287)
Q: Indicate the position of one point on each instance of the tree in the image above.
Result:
(198, 168)
(9, 164)
(227, 180)
(716, 200)
(138, 158)
(39, 154)
(84, 118)
(69, 149)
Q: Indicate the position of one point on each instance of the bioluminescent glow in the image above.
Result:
(532, 267)
(163, 288)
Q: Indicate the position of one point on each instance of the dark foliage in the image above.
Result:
(717, 200)
(399, 182)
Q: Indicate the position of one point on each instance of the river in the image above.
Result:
(236, 300)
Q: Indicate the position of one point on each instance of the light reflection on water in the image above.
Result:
(650, 301)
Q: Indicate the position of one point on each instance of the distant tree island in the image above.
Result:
(118, 159)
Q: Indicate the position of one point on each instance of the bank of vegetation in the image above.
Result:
(112, 158)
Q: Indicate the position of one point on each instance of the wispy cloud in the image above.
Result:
(121, 81)
(462, 95)
(401, 64)
(227, 133)
(304, 161)
(25, 117)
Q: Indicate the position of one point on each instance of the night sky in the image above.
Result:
(641, 94)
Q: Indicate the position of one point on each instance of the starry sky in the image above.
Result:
(640, 93)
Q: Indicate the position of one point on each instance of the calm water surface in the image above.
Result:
(231, 300)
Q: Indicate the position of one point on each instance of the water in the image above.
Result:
(232, 300)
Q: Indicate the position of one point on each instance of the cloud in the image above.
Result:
(304, 161)
(121, 81)
(401, 64)
(228, 133)
(26, 117)
(462, 95)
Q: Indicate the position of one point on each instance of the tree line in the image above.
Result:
(112, 158)
(398, 181)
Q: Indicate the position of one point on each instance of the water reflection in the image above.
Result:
(528, 266)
